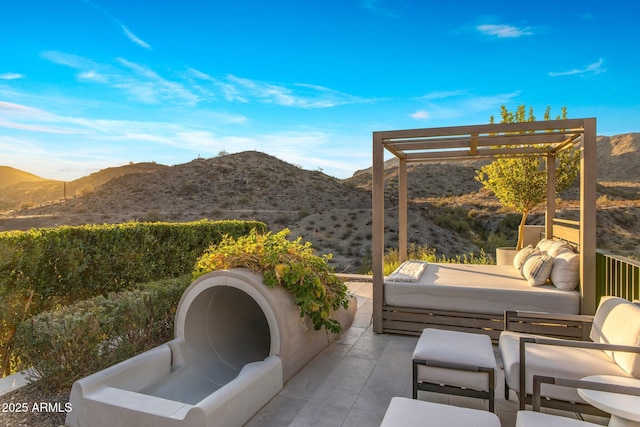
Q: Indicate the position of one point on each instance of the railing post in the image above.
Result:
(617, 276)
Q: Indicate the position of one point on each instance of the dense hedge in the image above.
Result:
(44, 269)
(72, 342)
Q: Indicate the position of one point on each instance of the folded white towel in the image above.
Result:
(409, 271)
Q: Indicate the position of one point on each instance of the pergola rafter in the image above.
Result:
(490, 141)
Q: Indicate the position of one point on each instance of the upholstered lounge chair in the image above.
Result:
(613, 349)
(411, 412)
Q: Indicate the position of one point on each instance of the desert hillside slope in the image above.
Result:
(449, 211)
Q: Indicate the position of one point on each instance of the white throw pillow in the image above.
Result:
(559, 247)
(544, 244)
(537, 268)
(521, 256)
(565, 273)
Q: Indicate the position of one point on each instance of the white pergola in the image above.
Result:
(490, 141)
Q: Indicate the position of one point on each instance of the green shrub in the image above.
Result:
(291, 264)
(426, 253)
(72, 342)
(44, 269)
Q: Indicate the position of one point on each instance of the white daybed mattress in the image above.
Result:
(482, 289)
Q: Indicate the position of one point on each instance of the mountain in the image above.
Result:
(21, 189)
(619, 158)
(11, 176)
(450, 211)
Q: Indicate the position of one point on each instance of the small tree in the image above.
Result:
(520, 183)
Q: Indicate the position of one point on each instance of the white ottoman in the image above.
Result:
(455, 362)
(404, 412)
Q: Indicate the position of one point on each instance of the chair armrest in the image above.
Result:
(581, 344)
(561, 325)
(538, 380)
(511, 315)
(524, 340)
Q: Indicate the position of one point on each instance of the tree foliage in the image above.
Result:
(520, 183)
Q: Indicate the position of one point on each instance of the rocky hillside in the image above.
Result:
(449, 211)
(20, 189)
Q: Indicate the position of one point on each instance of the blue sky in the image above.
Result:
(89, 84)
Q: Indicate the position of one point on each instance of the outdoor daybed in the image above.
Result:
(483, 289)
(485, 292)
(474, 298)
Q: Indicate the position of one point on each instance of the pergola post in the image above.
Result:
(402, 210)
(588, 218)
(550, 213)
(377, 232)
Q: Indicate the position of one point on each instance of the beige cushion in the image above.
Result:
(475, 288)
(459, 348)
(565, 273)
(553, 247)
(545, 244)
(553, 361)
(537, 268)
(521, 256)
(617, 321)
(404, 412)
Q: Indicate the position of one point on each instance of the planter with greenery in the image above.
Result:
(317, 291)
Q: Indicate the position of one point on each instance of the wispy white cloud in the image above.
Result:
(591, 69)
(127, 32)
(296, 95)
(303, 95)
(442, 94)
(504, 31)
(193, 86)
(85, 144)
(69, 59)
(134, 38)
(421, 115)
(138, 81)
(460, 103)
(150, 86)
(35, 128)
(22, 117)
(11, 76)
(379, 7)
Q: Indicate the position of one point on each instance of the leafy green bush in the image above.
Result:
(426, 253)
(291, 264)
(44, 269)
(72, 342)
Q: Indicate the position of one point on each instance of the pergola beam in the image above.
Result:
(565, 126)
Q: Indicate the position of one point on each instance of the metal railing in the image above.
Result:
(617, 276)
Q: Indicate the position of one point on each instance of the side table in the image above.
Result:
(624, 409)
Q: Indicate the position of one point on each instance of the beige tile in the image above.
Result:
(352, 381)
(281, 410)
(359, 418)
(317, 415)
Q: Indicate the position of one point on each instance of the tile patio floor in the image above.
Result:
(352, 381)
